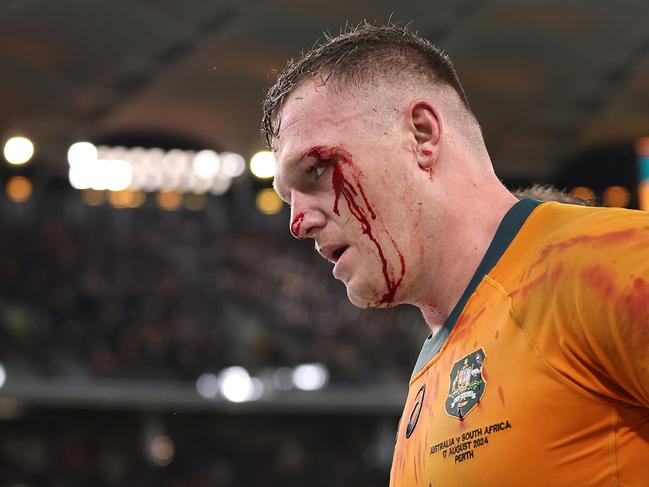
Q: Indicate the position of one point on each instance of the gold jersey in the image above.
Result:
(540, 376)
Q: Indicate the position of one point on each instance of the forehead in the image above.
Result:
(314, 116)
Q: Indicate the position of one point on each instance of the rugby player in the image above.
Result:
(536, 370)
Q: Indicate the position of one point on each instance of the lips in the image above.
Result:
(339, 251)
(332, 252)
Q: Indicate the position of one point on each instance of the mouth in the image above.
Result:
(336, 254)
(332, 253)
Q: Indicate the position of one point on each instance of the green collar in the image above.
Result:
(507, 230)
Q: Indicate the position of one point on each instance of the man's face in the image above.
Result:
(347, 178)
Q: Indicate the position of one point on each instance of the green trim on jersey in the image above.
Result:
(507, 230)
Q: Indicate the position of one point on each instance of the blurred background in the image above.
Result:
(158, 325)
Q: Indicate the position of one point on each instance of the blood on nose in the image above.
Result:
(296, 225)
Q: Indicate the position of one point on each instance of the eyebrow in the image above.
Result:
(292, 162)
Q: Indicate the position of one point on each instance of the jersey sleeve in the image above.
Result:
(583, 301)
(612, 312)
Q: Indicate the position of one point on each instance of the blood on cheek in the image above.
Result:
(346, 183)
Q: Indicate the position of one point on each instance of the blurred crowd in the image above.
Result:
(172, 296)
(79, 449)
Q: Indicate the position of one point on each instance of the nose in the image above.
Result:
(306, 218)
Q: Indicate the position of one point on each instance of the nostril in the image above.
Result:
(296, 225)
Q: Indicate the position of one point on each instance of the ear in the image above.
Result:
(426, 126)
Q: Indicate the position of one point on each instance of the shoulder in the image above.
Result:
(585, 224)
(579, 267)
(561, 238)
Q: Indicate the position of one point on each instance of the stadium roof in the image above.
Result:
(547, 78)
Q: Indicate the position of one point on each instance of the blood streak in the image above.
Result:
(600, 278)
(296, 224)
(428, 153)
(605, 238)
(342, 186)
(530, 286)
(637, 303)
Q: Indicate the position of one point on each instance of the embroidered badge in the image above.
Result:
(416, 410)
(467, 385)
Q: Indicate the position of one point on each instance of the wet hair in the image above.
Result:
(357, 57)
(550, 193)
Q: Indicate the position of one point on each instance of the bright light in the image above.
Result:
(207, 385)
(139, 197)
(232, 164)
(114, 175)
(310, 377)
(153, 180)
(617, 196)
(236, 385)
(19, 189)
(124, 199)
(81, 175)
(171, 181)
(169, 200)
(268, 202)
(152, 169)
(3, 376)
(206, 164)
(257, 389)
(198, 185)
(92, 197)
(162, 450)
(175, 162)
(18, 150)
(82, 153)
(117, 175)
(262, 164)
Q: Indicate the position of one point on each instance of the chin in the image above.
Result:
(365, 298)
(358, 302)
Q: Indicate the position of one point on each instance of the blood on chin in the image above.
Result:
(366, 298)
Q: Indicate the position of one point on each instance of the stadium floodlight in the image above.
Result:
(262, 164)
(118, 168)
(82, 153)
(18, 150)
(235, 384)
(19, 189)
(257, 389)
(310, 377)
(162, 450)
(81, 176)
(232, 164)
(206, 164)
(207, 385)
(118, 175)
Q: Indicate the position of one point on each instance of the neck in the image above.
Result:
(469, 227)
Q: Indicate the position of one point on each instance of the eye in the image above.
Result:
(316, 169)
